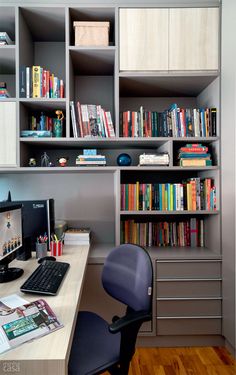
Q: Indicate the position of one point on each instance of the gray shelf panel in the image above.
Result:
(93, 61)
(165, 168)
(116, 142)
(185, 212)
(7, 59)
(44, 103)
(168, 85)
(98, 253)
(43, 170)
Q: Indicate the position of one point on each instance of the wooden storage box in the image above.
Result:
(91, 33)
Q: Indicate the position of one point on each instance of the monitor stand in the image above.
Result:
(10, 274)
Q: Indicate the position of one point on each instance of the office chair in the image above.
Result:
(99, 346)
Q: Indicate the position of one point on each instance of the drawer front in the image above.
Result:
(194, 326)
(198, 269)
(188, 288)
(191, 307)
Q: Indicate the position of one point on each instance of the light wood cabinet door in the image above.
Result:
(8, 156)
(194, 39)
(143, 39)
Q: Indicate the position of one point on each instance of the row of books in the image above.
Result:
(172, 122)
(194, 194)
(183, 233)
(194, 155)
(37, 82)
(90, 120)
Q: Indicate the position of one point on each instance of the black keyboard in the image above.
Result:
(46, 279)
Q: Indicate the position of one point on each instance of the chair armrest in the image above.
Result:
(130, 318)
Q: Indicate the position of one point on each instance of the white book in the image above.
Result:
(28, 82)
(73, 119)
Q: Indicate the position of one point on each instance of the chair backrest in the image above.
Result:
(128, 276)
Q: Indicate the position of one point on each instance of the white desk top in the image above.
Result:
(48, 354)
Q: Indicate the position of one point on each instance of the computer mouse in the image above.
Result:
(46, 258)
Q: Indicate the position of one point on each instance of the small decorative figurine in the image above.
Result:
(32, 162)
(58, 124)
(45, 160)
(124, 160)
(62, 161)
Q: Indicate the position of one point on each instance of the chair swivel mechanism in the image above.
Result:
(99, 346)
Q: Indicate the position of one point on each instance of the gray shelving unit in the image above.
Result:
(90, 196)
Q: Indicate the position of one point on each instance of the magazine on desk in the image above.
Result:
(28, 321)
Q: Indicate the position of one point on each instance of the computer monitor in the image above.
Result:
(10, 240)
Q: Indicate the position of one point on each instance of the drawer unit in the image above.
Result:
(189, 326)
(186, 269)
(188, 288)
(188, 307)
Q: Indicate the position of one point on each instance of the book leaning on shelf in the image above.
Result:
(91, 121)
(24, 323)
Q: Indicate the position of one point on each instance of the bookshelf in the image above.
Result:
(112, 77)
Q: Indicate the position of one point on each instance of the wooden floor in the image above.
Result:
(182, 361)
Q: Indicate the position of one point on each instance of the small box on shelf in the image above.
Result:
(91, 33)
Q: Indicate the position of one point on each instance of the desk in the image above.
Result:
(48, 355)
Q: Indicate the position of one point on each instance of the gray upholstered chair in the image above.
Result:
(99, 346)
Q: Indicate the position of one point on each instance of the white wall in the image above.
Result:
(228, 126)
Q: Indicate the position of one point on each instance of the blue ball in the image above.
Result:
(124, 160)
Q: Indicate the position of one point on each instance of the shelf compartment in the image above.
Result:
(7, 21)
(83, 13)
(52, 19)
(7, 59)
(174, 84)
(93, 61)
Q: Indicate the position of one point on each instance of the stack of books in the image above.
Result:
(77, 236)
(90, 157)
(154, 159)
(3, 90)
(5, 39)
(194, 155)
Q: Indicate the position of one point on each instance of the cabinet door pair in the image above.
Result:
(169, 39)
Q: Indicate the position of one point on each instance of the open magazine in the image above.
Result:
(19, 324)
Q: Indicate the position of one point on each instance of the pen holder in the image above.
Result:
(56, 248)
(41, 250)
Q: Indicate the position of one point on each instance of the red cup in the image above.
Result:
(56, 248)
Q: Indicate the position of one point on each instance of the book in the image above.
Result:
(36, 79)
(36, 133)
(73, 119)
(24, 322)
(22, 81)
(195, 163)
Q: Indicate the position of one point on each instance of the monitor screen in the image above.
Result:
(10, 240)
(11, 231)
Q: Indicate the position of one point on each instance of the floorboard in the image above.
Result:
(182, 361)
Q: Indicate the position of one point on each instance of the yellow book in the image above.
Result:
(36, 81)
(189, 197)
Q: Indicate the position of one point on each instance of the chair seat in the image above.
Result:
(94, 348)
